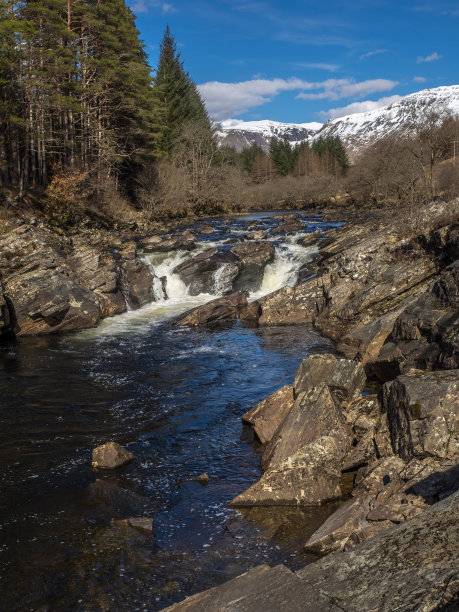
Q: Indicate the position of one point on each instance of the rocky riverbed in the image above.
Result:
(375, 426)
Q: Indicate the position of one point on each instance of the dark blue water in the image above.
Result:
(174, 397)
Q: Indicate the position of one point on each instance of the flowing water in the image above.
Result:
(174, 397)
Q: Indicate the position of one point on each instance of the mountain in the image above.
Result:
(356, 131)
(241, 134)
(362, 129)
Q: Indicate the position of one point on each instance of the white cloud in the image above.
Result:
(143, 6)
(374, 52)
(419, 79)
(336, 89)
(320, 66)
(224, 100)
(358, 107)
(429, 58)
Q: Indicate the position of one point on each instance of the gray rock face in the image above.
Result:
(138, 283)
(57, 284)
(252, 257)
(220, 309)
(269, 414)
(365, 272)
(423, 414)
(412, 566)
(110, 456)
(314, 414)
(155, 244)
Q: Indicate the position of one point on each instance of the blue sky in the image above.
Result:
(301, 61)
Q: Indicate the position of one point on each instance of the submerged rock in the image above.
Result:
(110, 456)
(140, 524)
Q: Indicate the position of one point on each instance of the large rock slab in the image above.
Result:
(269, 414)
(412, 566)
(225, 308)
(310, 477)
(344, 377)
(261, 588)
(423, 414)
(315, 413)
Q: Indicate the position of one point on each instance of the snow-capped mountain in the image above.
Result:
(356, 131)
(241, 134)
(362, 129)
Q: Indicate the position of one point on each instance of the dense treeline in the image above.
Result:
(77, 95)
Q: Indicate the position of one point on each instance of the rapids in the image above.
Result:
(174, 397)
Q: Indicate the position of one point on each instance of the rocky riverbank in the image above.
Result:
(387, 293)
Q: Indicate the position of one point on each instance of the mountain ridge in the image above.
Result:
(357, 130)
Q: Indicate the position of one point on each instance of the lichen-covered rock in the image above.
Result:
(315, 413)
(309, 477)
(423, 413)
(344, 377)
(110, 456)
(269, 414)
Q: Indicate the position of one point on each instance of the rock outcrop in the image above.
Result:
(412, 566)
(52, 283)
(267, 416)
(220, 309)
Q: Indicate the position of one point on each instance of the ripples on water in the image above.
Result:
(174, 397)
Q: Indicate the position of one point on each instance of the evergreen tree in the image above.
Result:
(248, 156)
(178, 97)
(332, 154)
(282, 155)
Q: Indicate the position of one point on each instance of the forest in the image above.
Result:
(87, 126)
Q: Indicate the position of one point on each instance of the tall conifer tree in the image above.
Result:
(178, 97)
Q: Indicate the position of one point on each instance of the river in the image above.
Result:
(174, 397)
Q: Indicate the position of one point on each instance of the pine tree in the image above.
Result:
(178, 97)
(282, 155)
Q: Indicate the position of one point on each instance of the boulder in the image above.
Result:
(184, 241)
(224, 308)
(423, 413)
(269, 414)
(309, 239)
(252, 258)
(314, 414)
(256, 235)
(309, 477)
(205, 229)
(412, 566)
(110, 456)
(345, 378)
(137, 283)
